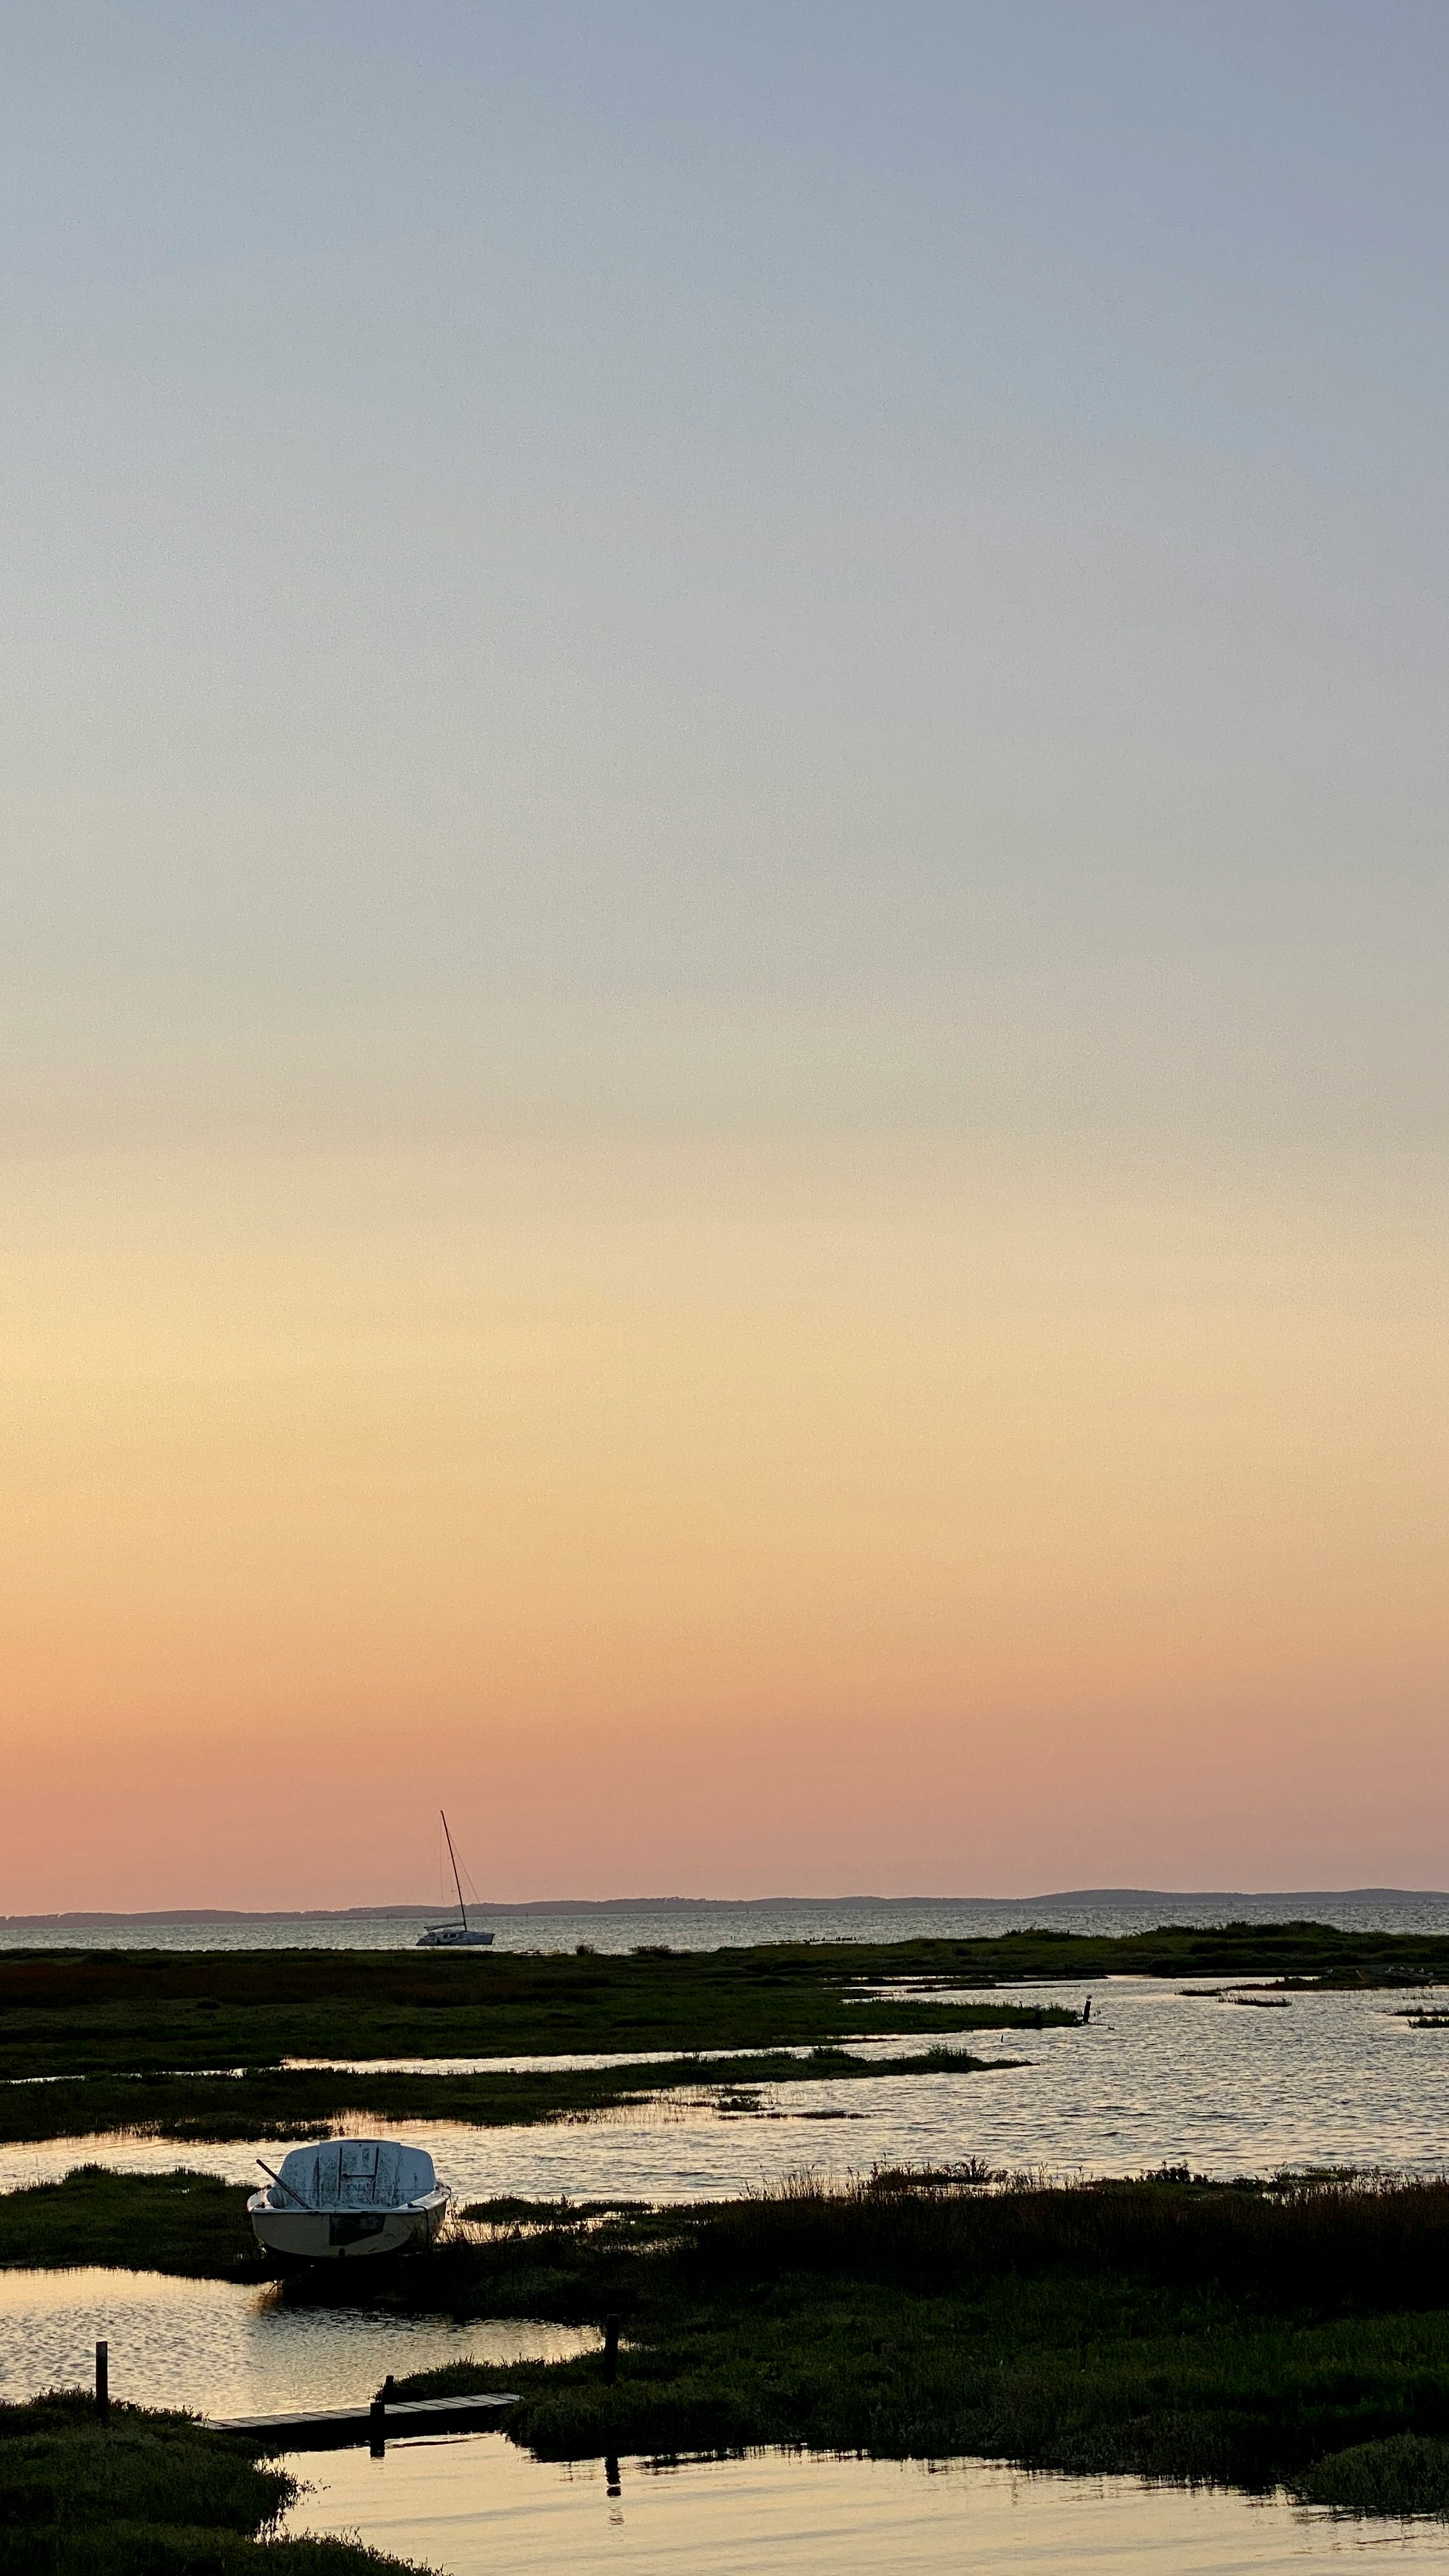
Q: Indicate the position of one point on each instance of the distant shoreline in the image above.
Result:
(545, 1906)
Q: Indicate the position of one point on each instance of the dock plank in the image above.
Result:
(328, 2428)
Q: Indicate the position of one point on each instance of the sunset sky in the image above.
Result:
(723, 829)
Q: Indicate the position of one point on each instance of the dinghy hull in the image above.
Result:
(329, 2235)
(346, 2197)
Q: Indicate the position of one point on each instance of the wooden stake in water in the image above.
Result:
(103, 2380)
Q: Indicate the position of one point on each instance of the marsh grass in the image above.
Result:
(153, 2013)
(509, 2211)
(146, 2494)
(297, 2102)
(120, 2012)
(1406, 2475)
(172, 2222)
(1172, 2327)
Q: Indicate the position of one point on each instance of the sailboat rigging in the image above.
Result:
(461, 1935)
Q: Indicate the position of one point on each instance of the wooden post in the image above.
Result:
(377, 2428)
(611, 2346)
(103, 2381)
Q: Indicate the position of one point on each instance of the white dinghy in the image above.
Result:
(348, 2196)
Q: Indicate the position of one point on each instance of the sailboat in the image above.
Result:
(461, 1935)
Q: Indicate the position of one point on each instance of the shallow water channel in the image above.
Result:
(477, 2506)
(220, 2348)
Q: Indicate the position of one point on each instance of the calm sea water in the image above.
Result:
(688, 1926)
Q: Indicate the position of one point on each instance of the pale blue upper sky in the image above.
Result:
(796, 560)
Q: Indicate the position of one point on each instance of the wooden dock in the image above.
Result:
(335, 2428)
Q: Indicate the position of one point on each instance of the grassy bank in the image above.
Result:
(146, 2495)
(173, 2222)
(282, 2103)
(1252, 2334)
(137, 2011)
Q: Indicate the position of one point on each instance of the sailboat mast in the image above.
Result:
(457, 1882)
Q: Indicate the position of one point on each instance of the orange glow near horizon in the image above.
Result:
(722, 1002)
(714, 1518)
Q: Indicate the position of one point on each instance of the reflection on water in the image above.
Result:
(220, 2349)
(1157, 2077)
(473, 2507)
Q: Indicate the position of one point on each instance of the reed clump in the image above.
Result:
(1305, 2242)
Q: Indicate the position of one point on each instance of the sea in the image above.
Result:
(712, 1923)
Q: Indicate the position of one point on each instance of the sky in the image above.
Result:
(722, 935)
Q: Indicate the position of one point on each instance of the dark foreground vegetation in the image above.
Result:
(129, 2011)
(287, 2102)
(146, 2495)
(1292, 2332)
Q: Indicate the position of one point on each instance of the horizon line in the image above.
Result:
(91, 1918)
